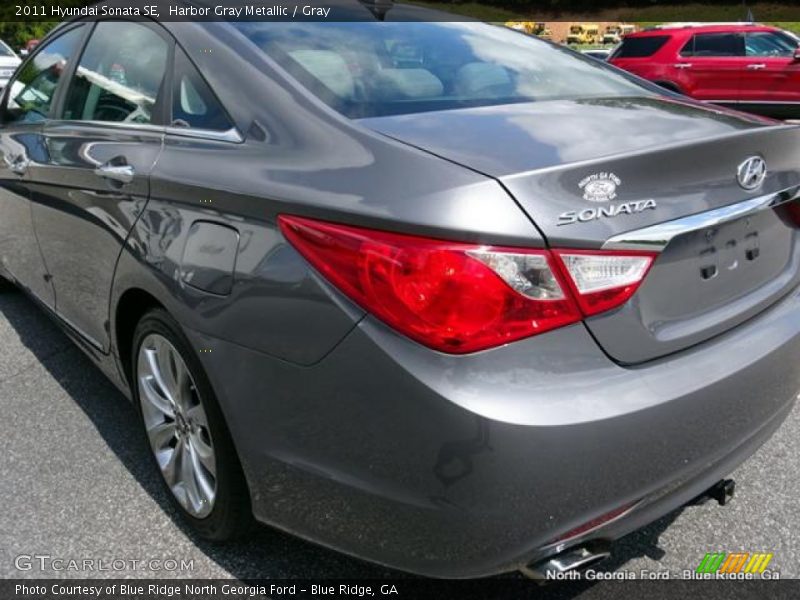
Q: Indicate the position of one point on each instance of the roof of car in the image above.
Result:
(692, 28)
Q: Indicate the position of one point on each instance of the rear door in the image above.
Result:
(93, 179)
(770, 74)
(709, 66)
(26, 106)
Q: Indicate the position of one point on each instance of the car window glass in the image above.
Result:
(368, 69)
(767, 43)
(714, 44)
(31, 92)
(640, 47)
(119, 75)
(193, 102)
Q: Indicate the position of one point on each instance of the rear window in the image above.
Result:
(640, 47)
(368, 69)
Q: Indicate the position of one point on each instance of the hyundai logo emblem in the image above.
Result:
(751, 173)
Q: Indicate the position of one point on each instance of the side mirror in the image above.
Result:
(797, 54)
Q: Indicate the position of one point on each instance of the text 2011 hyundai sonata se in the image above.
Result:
(438, 295)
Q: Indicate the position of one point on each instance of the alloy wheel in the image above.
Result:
(176, 425)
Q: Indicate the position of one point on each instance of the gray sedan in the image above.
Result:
(440, 295)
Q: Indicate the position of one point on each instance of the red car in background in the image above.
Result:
(748, 66)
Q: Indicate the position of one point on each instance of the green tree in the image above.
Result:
(17, 33)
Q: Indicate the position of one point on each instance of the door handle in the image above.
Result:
(118, 173)
(757, 67)
(682, 65)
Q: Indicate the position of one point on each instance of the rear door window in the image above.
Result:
(768, 43)
(640, 47)
(714, 45)
(119, 76)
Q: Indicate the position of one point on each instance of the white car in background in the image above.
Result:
(9, 62)
(597, 53)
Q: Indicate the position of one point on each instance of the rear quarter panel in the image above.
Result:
(295, 156)
(277, 304)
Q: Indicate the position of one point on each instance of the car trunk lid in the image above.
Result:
(593, 171)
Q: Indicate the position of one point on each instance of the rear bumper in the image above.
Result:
(471, 465)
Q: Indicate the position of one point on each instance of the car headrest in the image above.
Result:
(329, 68)
(409, 83)
(480, 78)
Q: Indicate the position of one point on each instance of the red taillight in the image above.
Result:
(604, 280)
(450, 296)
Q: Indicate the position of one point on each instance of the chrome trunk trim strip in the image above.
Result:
(656, 237)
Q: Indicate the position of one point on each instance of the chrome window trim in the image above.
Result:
(229, 135)
(148, 127)
(656, 237)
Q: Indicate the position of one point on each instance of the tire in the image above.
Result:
(191, 445)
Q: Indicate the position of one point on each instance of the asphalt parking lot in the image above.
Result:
(76, 482)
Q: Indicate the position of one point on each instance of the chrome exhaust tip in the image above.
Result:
(574, 559)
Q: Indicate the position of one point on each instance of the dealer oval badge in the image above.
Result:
(600, 187)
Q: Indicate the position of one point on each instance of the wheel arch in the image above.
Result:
(132, 305)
